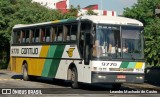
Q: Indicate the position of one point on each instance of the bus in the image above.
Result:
(87, 49)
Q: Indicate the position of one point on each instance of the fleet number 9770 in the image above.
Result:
(108, 64)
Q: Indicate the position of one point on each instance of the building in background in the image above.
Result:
(94, 8)
(54, 4)
(63, 5)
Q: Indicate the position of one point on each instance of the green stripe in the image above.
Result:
(63, 20)
(124, 65)
(71, 19)
(51, 65)
(55, 62)
(131, 64)
(48, 62)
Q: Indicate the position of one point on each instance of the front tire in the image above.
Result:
(116, 86)
(74, 78)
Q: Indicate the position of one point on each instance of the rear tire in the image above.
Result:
(74, 78)
(27, 77)
(25, 72)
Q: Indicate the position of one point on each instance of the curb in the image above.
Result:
(8, 79)
(143, 86)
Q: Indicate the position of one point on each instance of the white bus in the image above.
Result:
(88, 49)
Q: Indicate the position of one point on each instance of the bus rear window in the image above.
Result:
(16, 38)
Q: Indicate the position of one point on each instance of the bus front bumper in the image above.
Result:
(109, 77)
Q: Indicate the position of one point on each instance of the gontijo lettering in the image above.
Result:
(33, 51)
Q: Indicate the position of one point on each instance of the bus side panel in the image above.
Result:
(70, 55)
(36, 65)
(52, 62)
(32, 66)
(19, 62)
(13, 64)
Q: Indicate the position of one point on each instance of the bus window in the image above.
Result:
(27, 36)
(31, 36)
(35, 37)
(53, 34)
(66, 33)
(23, 34)
(107, 42)
(16, 37)
(42, 31)
(85, 27)
(59, 33)
(74, 32)
(47, 35)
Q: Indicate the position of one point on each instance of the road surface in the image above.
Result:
(58, 88)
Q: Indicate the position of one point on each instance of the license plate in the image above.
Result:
(121, 76)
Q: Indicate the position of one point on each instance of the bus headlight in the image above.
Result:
(102, 77)
(139, 77)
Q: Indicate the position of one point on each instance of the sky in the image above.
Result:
(111, 5)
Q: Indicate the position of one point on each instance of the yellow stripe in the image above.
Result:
(44, 51)
(37, 68)
(139, 65)
(56, 21)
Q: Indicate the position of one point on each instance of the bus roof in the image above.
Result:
(113, 20)
(96, 19)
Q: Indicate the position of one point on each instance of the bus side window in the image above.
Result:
(53, 33)
(22, 40)
(59, 33)
(42, 36)
(85, 27)
(16, 38)
(37, 39)
(36, 35)
(66, 31)
(47, 35)
(27, 36)
(31, 36)
(74, 32)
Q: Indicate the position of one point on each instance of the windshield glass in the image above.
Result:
(111, 42)
(132, 43)
(107, 42)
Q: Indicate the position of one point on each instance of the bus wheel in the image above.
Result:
(74, 78)
(116, 86)
(25, 72)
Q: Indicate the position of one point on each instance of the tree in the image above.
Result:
(90, 12)
(72, 12)
(144, 11)
(152, 42)
(14, 12)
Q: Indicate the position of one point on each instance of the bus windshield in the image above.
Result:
(111, 42)
(132, 42)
